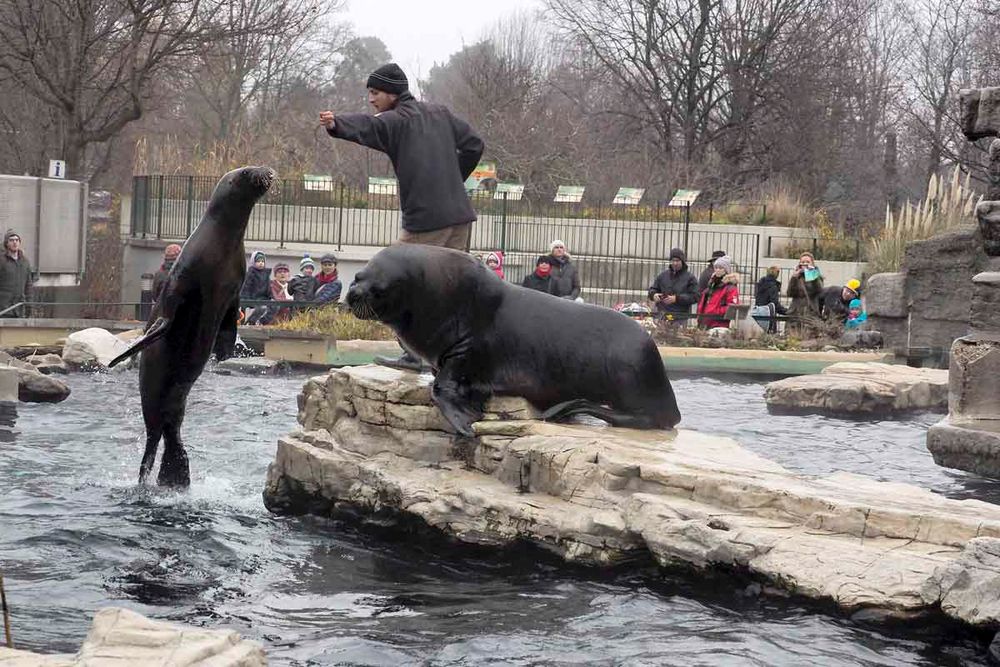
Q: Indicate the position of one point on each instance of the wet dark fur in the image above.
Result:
(484, 336)
(195, 316)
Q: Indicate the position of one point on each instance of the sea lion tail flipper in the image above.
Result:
(155, 332)
(581, 406)
(225, 340)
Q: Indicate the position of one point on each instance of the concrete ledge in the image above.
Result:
(16, 332)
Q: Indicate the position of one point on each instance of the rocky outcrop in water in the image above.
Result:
(372, 443)
(123, 637)
(33, 386)
(861, 388)
(93, 349)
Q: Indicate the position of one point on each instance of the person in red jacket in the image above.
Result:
(722, 292)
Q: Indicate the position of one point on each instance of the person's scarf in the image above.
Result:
(324, 278)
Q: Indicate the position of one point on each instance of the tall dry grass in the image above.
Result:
(949, 204)
(778, 205)
(340, 324)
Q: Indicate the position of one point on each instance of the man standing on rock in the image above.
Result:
(432, 151)
(15, 275)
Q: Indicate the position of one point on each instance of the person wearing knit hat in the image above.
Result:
(433, 153)
(170, 255)
(707, 273)
(256, 287)
(328, 285)
(675, 290)
(303, 286)
(541, 278)
(389, 79)
(565, 279)
(722, 292)
(15, 275)
(494, 261)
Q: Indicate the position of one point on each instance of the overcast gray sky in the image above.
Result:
(419, 33)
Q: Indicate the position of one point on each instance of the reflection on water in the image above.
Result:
(77, 534)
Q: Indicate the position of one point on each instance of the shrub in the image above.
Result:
(948, 205)
(340, 324)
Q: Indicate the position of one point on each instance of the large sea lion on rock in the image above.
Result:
(484, 336)
(196, 314)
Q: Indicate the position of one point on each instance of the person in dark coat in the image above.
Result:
(565, 279)
(170, 254)
(835, 301)
(257, 284)
(706, 275)
(541, 278)
(804, 288)
(432, 152)
(675, 290)
(768, 294)
(15, 275)
(303, 286)
(328, 285)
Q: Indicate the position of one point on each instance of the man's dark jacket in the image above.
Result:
(432, 151)
(681, 284)
(832, 305)
(769, 291)
(536, 282)
(15, 280)
(565, 281)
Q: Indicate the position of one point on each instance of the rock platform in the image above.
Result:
(861, 388)
(122, 637)
(372, 443)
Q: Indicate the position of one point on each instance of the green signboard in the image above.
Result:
(509, 191)
(684, 197)
(628, 195)
(569, 194)
(382, 186)
(317, 182)
(483, 176)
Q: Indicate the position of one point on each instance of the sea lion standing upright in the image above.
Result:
(195, 315)
(484, 336)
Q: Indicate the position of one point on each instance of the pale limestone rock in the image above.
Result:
(123, 637)
(866, 388)
(601, 495)
(93, 348)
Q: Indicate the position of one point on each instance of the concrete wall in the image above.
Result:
(922, 309)
(49, 215)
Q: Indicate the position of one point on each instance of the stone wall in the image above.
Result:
(925, 307)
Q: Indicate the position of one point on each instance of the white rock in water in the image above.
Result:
(123, 637)
(94, 347)
(852, 387)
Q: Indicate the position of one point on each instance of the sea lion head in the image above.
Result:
(243, 187)
(378, 291)
(408, 282)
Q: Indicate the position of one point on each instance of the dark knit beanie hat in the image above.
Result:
(388, 78)
(544, 258)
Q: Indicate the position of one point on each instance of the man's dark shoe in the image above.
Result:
(405, 361)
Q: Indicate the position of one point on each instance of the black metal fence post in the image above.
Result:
(281, 235)
(159, 211)
(763, 216)
(687, 224)
(503, 223)
(190, 204)
(340, 218)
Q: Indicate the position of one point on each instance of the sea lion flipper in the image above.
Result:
(581, 406)
(225, 340)
(458, 403)
(158, 329)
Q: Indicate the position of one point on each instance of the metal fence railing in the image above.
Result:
(618, 250)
